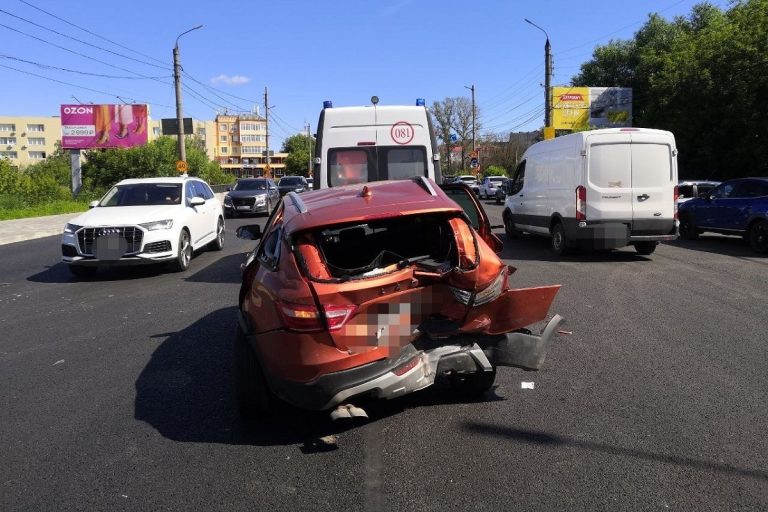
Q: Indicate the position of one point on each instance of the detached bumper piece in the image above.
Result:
(524, 350)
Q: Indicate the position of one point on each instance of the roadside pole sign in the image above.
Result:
(181, 166)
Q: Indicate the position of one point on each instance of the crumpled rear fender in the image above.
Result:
(512, 310)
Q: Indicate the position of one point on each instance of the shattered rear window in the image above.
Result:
(369, 249)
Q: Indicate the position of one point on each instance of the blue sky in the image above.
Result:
(304, 52)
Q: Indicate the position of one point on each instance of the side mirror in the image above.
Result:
(249, 232)
(93, 204)
(196, 201)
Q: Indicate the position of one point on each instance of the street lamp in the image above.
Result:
(547, 76)
(177, 82)
(472, 88)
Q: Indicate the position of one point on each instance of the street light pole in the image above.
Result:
(547, 77)
(177, 83)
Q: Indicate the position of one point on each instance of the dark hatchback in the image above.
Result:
(296, 184)
(735, 207)
(251, 195)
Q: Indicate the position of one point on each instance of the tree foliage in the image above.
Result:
(299, 148)
(701, 77)
(104, 168)
(454, 115)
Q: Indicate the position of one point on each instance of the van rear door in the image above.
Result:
(653, 184)
(609, 178)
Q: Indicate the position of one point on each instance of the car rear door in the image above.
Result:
(469, 202)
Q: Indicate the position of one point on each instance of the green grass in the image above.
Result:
(14, 209)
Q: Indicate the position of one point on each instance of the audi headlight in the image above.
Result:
(159, 224)
(227, 199)
(71, 228)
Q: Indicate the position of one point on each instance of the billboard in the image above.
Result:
(591, 107)
(103, 126)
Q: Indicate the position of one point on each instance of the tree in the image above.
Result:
(299, 148)
(444, 116)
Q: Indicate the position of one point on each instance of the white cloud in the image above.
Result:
(230, 80)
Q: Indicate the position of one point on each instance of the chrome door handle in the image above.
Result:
(643, 197)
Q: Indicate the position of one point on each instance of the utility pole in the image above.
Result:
(472, 88)
(177, 82)
(267, 168)
(309, 158)
(547, 77)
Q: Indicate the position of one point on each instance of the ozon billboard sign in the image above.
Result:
(103, 126)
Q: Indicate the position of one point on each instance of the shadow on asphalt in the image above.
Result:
(716, 244)
(535, 248)
(186, 393)
(544, 438)
(224, 270)
(59, 273)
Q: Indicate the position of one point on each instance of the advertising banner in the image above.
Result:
(591, 107)
(103, 126)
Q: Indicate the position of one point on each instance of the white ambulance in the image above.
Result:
(374, 143)
(599, 189)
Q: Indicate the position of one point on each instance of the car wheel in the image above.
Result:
(509, 227)
(82, 271)
(688, 230)
(559, 241)
(645, 248)
(184, 251)
(218, 243)
(472, 385)
(758, 236)
(254, 400)
(498, 199)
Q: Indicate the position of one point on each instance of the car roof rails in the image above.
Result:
(297, 202)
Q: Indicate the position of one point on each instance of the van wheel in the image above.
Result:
(254, 400)
(509, 228)
(559, 242)
(645, 248)
(688, 230)
(758, 236)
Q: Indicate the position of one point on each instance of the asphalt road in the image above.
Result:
(115, 395)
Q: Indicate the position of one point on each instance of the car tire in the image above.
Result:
(758, 236)
(645, 248)
(473, 385)
(81, 271)
(688, 230)
(252, 395)
(183, 251)
(509, 228)
(559, 241)
(498, 199)
(218, 243)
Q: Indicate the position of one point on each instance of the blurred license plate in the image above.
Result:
(110, 247)
(243, 207)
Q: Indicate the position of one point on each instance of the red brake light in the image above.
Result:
(337, 316)
(581, 203)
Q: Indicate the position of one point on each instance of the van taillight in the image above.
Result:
(581, 203)
(677, 195)
(304, 318)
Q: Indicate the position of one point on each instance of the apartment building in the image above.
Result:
(26, 140)
(241, 146)
(203, 130)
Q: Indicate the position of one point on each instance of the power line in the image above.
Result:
(81, 41)
(47, 66)
(69, 23)
(238, 107)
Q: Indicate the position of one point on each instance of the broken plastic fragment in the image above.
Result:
(526, 385)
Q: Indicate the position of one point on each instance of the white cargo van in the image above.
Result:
(374, 143)
(599, 189)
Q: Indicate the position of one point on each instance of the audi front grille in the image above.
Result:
(86, 238)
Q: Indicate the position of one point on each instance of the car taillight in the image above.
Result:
(677, 195)
(581, 203)
(465, 243)
(304, 318)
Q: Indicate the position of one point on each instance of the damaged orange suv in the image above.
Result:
(376, 290)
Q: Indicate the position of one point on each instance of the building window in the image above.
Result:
(223, 127)
(254, 150)
(36, 141)
(224, 151)
(35, 127)
(156, 131)
(235, 138)
(7, 127)
(7, 141)
(201, 132)
(9, 154)
(223, 138)
(37, 155)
